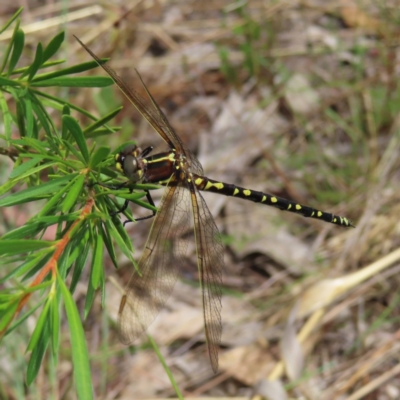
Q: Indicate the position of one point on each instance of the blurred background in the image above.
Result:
(298, 99)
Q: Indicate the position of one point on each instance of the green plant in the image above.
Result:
(54, 166)
(254, 37)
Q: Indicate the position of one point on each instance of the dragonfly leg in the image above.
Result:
(151, 202)
(115, 187)
(112, 187)
(123, 208)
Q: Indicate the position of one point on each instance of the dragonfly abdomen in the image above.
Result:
(227, 189)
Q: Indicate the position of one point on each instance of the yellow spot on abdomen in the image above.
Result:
(217, 185)
(289, 206)
(263, 199)
(247, 192)
(236, 191)
(198, 181)
(298, 207)
(274, 200)
(319, 214)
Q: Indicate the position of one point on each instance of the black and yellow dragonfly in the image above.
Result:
(181, 206)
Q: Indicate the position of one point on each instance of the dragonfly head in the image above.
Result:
(127, 161)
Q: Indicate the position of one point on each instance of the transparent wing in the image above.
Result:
(210, 261)
(151, 111)
(165, 249)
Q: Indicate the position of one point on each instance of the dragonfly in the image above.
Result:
(182, 207)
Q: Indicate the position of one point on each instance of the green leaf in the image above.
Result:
(29, 229)
(67, 71)
(35, 192)
(55, 199)
(102, 132)
(7, 117)
(39, 327)
(78, 81)
(66, 110)
(55, 324)
(20, 118)
(23, 268)
(24, 317)
(109, 245)
(8, 315)
(11, 20)
(80, 356)
(37, 355)
(36, 225)
(34, 170)
(7, 186)
(74, 151)
(18, 41)
(29, 117)
(37, 145)
(22, 246)
(90, 295)
(80, 262)
(9, 47)
(45, 120)
(100, 155)
(47, 64)
(37, 62)
(46, 255)
(126, 249)
(97, 262)
(76, 131)
(8, 82)
(102, 121)
(73, 194)
(53, 46)
(25, 166)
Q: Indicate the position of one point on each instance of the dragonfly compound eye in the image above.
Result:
(129, 166)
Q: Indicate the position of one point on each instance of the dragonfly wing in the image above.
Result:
(165, 249)
(161, 124)
(150, 110)
(210, 261)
